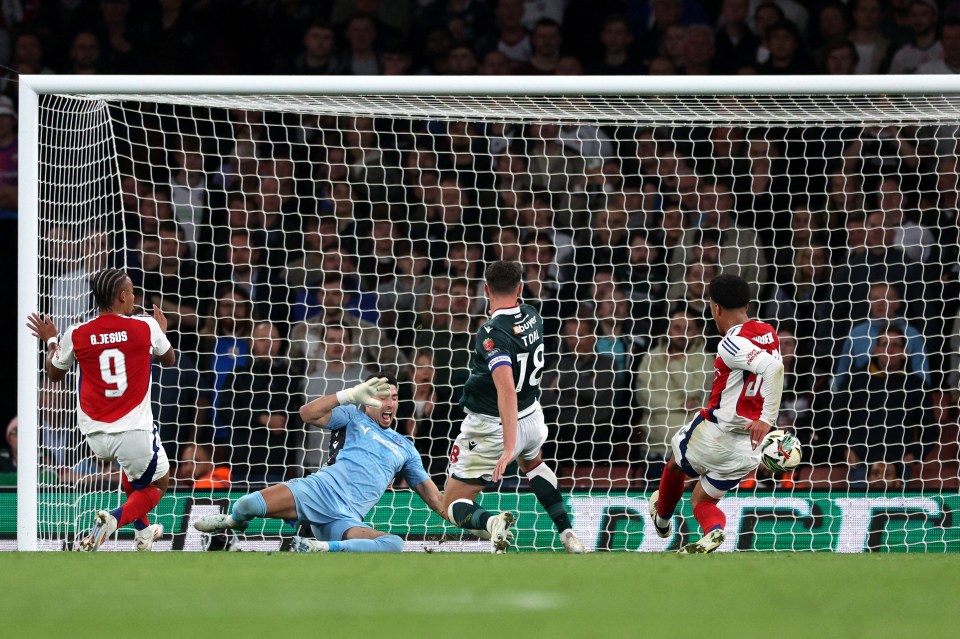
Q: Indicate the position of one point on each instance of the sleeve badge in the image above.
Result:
(488, 344)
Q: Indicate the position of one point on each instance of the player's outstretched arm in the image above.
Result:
(319, 410)
(431, 496)
(43, 328)
(507, 405)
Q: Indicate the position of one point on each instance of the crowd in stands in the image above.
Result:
(295, 254)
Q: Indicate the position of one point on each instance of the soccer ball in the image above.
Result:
(780, 451)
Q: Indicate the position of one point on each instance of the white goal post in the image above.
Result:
(927, 103)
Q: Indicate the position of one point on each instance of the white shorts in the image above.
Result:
(139, 453)
(480, 444)
(718, 457)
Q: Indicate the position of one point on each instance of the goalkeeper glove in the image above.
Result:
(366, 393)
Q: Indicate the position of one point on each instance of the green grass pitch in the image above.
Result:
(231, 595)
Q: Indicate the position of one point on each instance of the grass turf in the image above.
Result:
(447, 595)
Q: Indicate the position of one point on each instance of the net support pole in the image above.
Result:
(28, 407)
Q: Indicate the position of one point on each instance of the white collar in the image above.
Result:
(513, 310)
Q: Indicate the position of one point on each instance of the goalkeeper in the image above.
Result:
(334, 500)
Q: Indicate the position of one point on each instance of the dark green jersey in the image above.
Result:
(511, 337)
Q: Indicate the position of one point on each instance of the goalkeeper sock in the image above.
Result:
(671, 490)
(128, 489)
(248, 507)
(138, 504)
(709, 516)
(468, 514)
(543, 482)
(385, 543)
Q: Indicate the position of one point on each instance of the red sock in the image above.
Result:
(128, 490)
(671, 490)
(139, 503)
(709, 516)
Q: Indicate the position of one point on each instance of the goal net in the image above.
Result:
(298, 243)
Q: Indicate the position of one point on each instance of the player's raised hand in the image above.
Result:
(42, 327)
(368, 392)
(160, 317)
(758, 430)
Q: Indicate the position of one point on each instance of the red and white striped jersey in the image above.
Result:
(741, 391)
(114, 353)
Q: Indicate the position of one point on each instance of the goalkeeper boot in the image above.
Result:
(708, 543)
(304, 544)
(571, 543)
(662, 531)
(104, 525)
(218, 522)
(145, 538)
(499, 527)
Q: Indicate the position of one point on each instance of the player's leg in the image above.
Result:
(711, 519)
(275, 502)
(145, 466)
(347, 535)
(664, 500)
(543, 483)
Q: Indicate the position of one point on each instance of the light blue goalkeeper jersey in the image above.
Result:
(368, 462)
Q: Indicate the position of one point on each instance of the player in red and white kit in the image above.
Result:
(720, 446)
(114, 351)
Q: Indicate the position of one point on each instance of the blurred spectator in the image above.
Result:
(871, 257)
(9, 156)
(8, 454)
(645, 279)
(545, 42)
(765, 15)
(872, 45)
(120, 43)
(887, 412)
(909, 236)
(333, 363)
(395, 58)
(840, 58)
(578, 395)
(510, 37)
(569, 65)
(950, 40)
(883, 476)
(393, 15)
(786, 55)
(834, 24)
(71, 290)
(671, 382)
(615, 329)
(188, 191)
(195, 468)
(399, 291)
(180, 401)
(259, 404)
(885, 311)
(361, 58)
(445, 328)
(495, 62)
(375, 350)
(319, 56)
(225, 342)
(698, 51)
(618, 56)
(28, 58)
(661, 66)
(673, 45)
(461, 61)
(430, 425)
(736, 45)
(168, 278)
(177, 36)
(925, 46)
(84, 54)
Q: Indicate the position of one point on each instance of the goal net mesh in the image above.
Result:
(298, 244)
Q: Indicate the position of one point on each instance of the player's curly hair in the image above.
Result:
(105, 286)
(730, 291)
(503, 277)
